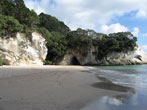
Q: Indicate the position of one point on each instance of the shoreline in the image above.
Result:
(43, 66)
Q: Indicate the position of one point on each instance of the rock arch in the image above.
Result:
(74, 61)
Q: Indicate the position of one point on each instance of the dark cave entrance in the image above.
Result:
(74, 61)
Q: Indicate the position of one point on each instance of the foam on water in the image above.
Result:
(135, 76)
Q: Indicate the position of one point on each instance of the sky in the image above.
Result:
(105, 16)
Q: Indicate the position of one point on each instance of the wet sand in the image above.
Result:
(48, 88)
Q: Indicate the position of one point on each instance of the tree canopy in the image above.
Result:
(84, 40)
(18, 10)
(52, 24)
(56, 44)
(9, 25)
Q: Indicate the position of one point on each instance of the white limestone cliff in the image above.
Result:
(138, 56)
(22, 49)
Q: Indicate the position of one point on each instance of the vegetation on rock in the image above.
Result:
(56, 44)
(8, 25)
(80, 41)
(52, 24)
(84, 40)
(1, 62)
(16, 17)
(19, 11)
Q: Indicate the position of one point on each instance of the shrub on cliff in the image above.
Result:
(52, 24)
(83, 40)
(56, 45)
(9, 25)
(1, 62)
(115, 42)
(79, 40)
(19, 11)
(46, 62)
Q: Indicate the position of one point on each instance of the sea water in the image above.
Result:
(131, 80)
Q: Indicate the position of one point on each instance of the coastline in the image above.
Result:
(48, 87)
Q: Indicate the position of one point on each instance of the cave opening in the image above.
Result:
(74, 61)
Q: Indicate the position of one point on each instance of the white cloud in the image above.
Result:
(113, 28)
(34, 5)
(141, 14)
(144, 35)
(144, 47)
(87, 13)
(135, 31)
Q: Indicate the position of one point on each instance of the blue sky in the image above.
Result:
(130, 21)
(105, 16)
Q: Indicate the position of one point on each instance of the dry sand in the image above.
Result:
(48, 88)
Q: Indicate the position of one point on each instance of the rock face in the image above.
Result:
(138, 56)
(22, 49)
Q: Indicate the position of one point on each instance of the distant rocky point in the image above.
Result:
(138, 56)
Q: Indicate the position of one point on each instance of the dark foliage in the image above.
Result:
(9, 25)
(18, 10)
(56, 44)
(83, 41)
(52, 24)
(1, 62)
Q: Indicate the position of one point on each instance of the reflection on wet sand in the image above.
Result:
(109, 85)
(113, 87)
(103, 79)
(107, 103)
(115, 100)
(118, 102)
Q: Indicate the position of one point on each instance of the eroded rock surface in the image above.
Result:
(22, 49)
(138, 56)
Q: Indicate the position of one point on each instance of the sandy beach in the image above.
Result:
(48, 88)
